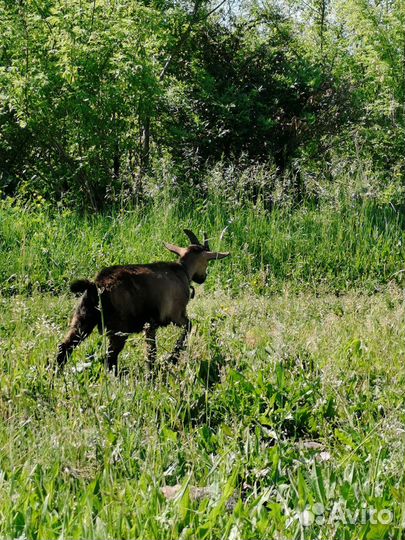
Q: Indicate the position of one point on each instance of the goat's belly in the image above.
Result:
(126, 312)
(167, 311)
(165, 322)
(124, 320)
(125, 327)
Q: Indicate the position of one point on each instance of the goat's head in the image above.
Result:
(196, 257)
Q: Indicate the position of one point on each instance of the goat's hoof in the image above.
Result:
(54, 369)
(151, 374)
(172, 359)
(123, 373)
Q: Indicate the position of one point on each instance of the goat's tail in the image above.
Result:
(85, 285)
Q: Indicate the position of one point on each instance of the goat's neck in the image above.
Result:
(189, 268)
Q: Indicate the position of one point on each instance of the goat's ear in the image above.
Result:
(175, 249)
(214, 255)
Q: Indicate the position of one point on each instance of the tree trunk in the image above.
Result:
(322, 23)
(145, 151)
(116, 156)
(116, 162)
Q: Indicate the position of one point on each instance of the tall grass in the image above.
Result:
(358, 245)
(279, 407)
(284, 408)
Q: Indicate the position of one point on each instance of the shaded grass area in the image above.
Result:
(335, 249)
(278, 404)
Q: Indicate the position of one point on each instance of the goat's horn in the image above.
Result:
(206, 245)
(192, 237)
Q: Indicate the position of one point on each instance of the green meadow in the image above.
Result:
(284, 418)
(278, 128)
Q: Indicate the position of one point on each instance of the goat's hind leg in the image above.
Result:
(83, 322)
(186, 326)
(79, 331)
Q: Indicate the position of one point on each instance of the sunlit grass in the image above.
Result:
(287, 405)
(278, 404)
(335, 249)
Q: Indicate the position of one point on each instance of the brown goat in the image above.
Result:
(127, 299)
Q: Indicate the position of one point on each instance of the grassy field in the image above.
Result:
(284, 419)
(329, 248)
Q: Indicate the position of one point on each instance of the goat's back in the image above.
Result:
(133, 295)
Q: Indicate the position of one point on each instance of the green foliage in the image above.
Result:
(94, 94)
(363, 51)
(243, 92)
(78, 79)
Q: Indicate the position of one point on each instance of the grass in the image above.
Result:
(337, 249)
(284, 419)
(279, 405)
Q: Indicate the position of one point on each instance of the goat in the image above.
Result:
(128, 299)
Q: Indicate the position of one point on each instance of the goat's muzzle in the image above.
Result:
(199, 278)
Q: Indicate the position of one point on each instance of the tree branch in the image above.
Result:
(186, 33)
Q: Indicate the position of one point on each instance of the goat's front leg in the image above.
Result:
(181, 342)
(150, 335)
